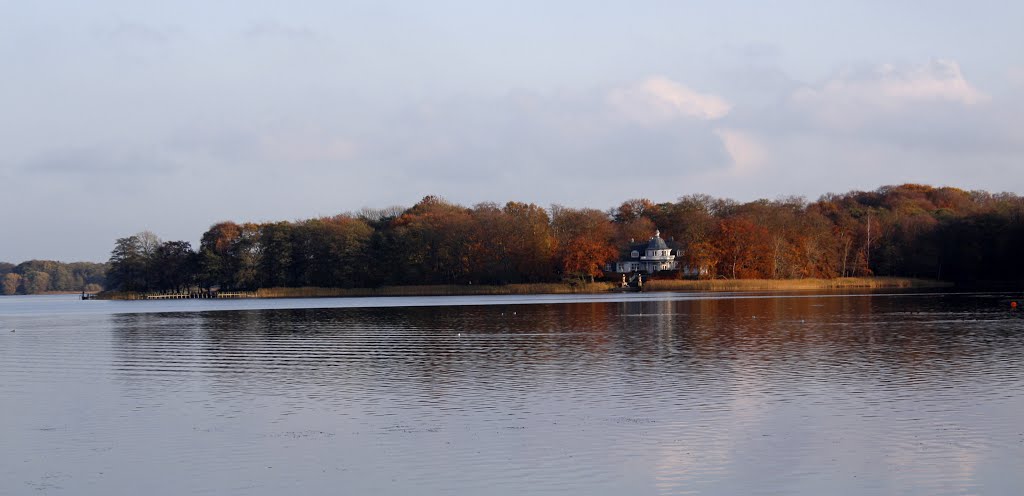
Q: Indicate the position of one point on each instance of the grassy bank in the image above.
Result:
(792, 284)
(603, 287)
(597, 287)
(437, 290)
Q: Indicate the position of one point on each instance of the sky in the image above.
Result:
(123, 116)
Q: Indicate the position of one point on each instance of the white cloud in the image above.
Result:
(923, 123)
(654, 138)
(745, 150)
(659, 100)
(853, 98)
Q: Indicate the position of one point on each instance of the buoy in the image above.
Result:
(1013, 304)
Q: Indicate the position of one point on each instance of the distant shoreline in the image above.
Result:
(656, 285)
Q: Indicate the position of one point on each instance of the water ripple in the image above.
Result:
(655, 395)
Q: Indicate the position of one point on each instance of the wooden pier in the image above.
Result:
(201, 295)
(185, 295)
(238, 294)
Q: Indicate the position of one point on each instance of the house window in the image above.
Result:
(634, 254)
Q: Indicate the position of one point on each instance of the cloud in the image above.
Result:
(306, 146)
(274, 29)
(754, 50)
(855, 98)
(135, 32)
(929, 107)
(888, 86)
(246, 146)
(523, 137)
(1016, 76)
(98, 162)
(745, 150)
(659, 100)
(882, 125)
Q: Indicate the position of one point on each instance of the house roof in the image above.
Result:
(656, 243)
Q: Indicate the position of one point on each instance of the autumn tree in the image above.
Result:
(632, 221)
(36, 282)
(10, 284)
(333, 251)
(742, 249)
(216, 266)
(510, 244)
(692, 221)
(531, 241)
(585, 241)
(429, 241)
(907, 230)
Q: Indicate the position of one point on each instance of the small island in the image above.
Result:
(896, 236)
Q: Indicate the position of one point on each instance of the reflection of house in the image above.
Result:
(653, 256)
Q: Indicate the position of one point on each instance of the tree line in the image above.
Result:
(41, 276)
(907, 230)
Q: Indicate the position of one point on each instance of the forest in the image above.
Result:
(907, 230)
(42, 276)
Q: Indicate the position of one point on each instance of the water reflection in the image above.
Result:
(873, 394)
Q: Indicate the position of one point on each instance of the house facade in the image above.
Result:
(653, 256)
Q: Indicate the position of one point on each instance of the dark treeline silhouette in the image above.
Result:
(907, 230)
(40, 276)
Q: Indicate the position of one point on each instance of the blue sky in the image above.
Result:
(120, 116)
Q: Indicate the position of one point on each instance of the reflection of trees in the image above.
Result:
(420, 349)
(709, 393)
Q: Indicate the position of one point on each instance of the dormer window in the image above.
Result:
(634, 254)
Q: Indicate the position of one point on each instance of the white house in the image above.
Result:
(650, 257)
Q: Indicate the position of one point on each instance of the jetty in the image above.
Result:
(183, 295)
(200, 295)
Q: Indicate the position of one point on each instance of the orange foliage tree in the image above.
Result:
(585, 241)
(742, 248)
(905, 230)
(432, 241)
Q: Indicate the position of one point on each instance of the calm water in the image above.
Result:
(610, 394)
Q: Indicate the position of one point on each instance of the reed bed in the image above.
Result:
(790, 284)
(437, 290)
(119, 295)
(588, 288)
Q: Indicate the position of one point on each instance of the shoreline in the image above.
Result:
(656, 285)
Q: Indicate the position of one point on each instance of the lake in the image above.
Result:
(652, 393)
